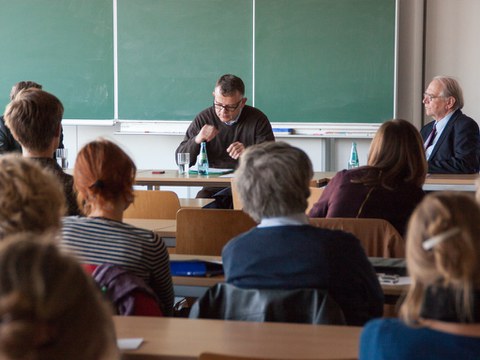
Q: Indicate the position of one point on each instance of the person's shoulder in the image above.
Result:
(253, 112)
(348, 175)
(382, 325)
(378, 336)
(242, 239)
(460, 119)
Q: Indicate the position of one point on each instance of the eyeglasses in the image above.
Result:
(430, 97)
(227, 108)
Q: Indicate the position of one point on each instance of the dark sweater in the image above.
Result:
(252, 128)
(304, 256)
(67, 182)
(343, 198)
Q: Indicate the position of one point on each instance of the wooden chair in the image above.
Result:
(153, 204)
(237, 202)
(206, 231)
(315, 193)
(378, 237)
(214, 356)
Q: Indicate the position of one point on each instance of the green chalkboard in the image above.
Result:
(171, 52)
(65, 45)
(301, 60)
(325, 60)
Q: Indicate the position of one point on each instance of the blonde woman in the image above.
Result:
(389, 187)
(49, 307)
(31, 198)
(440, 317)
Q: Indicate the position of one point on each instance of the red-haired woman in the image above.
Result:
(103, 178)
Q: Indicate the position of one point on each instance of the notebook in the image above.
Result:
(195, 268)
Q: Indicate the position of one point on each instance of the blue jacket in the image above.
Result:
(457, 151)
(303, 256)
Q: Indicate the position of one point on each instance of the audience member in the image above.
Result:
(50, 309)
(31, 198)
(284, 251)
(35, 117)
(104, 177)
(389, 187)
(228, 127)
(7, 141)
(452, 140)
(440, 317)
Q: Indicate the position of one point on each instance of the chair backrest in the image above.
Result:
(128, 293)
(315, 193)
(206, 231)
(228, 302)
(378, 237)
(237, 202)
(153, 204)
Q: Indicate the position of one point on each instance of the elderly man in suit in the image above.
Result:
(452, 140)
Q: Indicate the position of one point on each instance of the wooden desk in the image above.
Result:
(455, 182)
(165, 228)
(195, 286)
(178, 338)
(433, 182)
(173, 178)
(195, 203)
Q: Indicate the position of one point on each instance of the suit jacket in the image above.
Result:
(457, 151)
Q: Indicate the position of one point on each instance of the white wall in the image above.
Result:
(453, 47)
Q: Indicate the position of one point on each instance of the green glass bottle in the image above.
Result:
(353, 161)
(202, 159)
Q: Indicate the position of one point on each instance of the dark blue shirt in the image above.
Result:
(303, 256)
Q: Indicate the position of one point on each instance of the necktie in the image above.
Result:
(430, 138)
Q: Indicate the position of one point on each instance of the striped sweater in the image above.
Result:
(99, 240)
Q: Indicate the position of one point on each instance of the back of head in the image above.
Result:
(103, 173)
(443, 251)
(451, 87)
(21, 85)
(397, 150)
(230, 84)
(50, 308)
(31, 198)
(34, 116)
(273, 180)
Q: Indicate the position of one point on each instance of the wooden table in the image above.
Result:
(195, 286)
(195, 203)
(173, 178)
(433, 182)
(177, 338)
(456, 182)
(165, 228)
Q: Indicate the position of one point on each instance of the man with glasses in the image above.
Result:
(228, 127)
(452, 140)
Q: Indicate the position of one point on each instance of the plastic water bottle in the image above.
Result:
(202, 159)
(353, 161)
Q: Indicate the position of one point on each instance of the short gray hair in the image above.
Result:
(451, 87)
(273, 180)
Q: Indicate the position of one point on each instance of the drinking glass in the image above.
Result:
(62, 158)
(183, 161)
